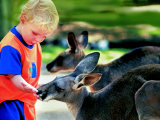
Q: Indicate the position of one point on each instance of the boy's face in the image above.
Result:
(32, 34)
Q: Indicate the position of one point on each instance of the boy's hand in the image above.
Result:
(28, 88)
(21, 84)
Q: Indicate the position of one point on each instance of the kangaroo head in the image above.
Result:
(63, 87)
(68, 59)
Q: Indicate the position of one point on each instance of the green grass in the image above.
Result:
(109, 55)
(104, 13)
(51, 52)
(108, 14)
(114, 19)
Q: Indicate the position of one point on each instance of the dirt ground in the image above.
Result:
(52, 110)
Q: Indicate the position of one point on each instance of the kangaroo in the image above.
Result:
(68, 60)
(113, 102)
(147, 101)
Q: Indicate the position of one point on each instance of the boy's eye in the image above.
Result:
(34, 33)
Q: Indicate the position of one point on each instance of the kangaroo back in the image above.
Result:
(136, 57)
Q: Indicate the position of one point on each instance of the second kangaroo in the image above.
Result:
(68, 60)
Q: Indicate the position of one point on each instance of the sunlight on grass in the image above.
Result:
(108, 55)
(51, 52)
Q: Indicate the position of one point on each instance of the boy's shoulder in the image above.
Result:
(10, 40)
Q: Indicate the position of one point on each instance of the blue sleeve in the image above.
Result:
(10, 61)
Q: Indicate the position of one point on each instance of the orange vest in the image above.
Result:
(28, 56)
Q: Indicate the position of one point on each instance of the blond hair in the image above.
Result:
(42, 12)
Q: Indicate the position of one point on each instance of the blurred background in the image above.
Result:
(114, 26)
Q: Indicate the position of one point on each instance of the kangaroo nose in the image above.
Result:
(39, 92)
(49, 66)
(42, 94)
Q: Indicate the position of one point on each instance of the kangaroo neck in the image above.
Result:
(77, 100)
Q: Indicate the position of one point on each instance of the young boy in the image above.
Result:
(20, 60)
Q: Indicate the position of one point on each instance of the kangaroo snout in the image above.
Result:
(47, 91)
(43, 92)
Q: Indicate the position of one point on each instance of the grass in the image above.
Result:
(105, 13)
(109, 14)
(51, 52)
(115, 19)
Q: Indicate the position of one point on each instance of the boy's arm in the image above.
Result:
(21, 84)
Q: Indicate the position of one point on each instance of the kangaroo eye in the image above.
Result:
(58, 89)
(80, 85)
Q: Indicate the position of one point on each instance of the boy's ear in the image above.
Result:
(22, 19)
(86, 80)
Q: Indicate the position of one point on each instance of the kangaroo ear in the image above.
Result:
(87, 64)
(83, 39)
(72, 42)
(92, 79)
(86, 80)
